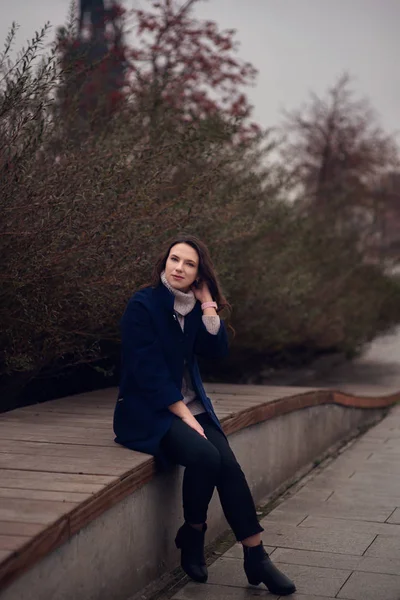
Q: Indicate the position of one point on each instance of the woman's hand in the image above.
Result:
(194, 424)
(202, 292)
(181, 410)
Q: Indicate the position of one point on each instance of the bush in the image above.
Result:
(85, 216)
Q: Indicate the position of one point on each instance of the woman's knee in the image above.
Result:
(209, 458)
(230, 466)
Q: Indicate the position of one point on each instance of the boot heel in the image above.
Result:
(253, 581)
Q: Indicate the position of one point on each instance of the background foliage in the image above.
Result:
(108, 150)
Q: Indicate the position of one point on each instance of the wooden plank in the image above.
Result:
(63, 450)
(61, 464)
(43, 412)
(58, 482)
(89, 438)
(68, 435)
(62, 482)
(12, 542)
(75, 497)
(77, 411)
(28, 511)
(68, 429)
(93, 396)
(255, 390)
(75, 408)
(239, 403)
(29, 421)
(73, 429)
(229, 399)
(221, 413)
(45, 416)
(106, 396)
(24, 529)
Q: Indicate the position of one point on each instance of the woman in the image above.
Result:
(163, 410)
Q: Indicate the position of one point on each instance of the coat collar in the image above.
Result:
(164, 297)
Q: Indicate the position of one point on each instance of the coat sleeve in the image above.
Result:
(210, 345)
(143, 358)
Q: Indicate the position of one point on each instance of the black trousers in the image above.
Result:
(211, 463)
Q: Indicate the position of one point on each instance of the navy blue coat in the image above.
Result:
(154, 349)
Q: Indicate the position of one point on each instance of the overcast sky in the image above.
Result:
(297, 46)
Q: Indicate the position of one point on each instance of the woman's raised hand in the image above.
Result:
(202, 292)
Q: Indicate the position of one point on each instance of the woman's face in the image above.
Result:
(182, 267)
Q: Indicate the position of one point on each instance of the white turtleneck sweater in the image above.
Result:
(183, 305)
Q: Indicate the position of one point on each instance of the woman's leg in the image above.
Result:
(184, 446)
(239, 509)
(235, 495)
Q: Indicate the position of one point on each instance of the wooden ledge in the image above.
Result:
(24, 543)
(282, 406)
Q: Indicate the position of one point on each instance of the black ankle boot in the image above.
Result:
(191, 543)
(260, 569)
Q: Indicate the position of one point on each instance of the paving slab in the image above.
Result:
(335, 508)
(288, 517)
(384, 547)
(371, 586)
(326, 523)
(302, 538)
(383, 480)
(198, 591)
(360, 498)
(312, 494)
(390, 566)
(395, 516)
(331, 560)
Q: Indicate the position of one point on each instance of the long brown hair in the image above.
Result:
(206, 269)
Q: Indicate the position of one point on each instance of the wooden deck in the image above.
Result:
(60, 467)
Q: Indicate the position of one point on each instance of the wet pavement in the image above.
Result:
(336, 536)
(378, 368)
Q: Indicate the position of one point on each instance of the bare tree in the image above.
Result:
(335, 149)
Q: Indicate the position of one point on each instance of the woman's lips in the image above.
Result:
(177, 277)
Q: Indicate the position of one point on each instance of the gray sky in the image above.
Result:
(297, 46)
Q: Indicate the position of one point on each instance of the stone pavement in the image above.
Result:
(337, 535)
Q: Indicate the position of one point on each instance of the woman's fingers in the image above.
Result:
(202, 433)
(200, 430)
(194, 424)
